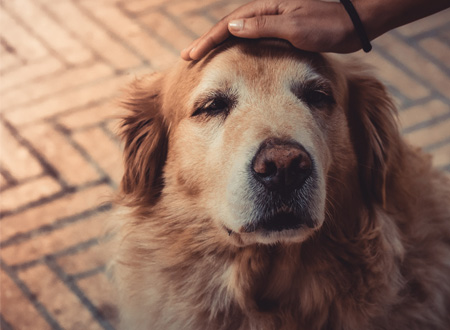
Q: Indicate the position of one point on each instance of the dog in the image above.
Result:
(269, 188)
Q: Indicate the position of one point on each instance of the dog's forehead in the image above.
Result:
(263, 68)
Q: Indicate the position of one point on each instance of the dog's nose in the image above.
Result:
(281, 166)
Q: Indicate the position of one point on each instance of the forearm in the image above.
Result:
(380, 16)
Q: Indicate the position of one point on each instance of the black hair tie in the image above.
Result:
(366, 46)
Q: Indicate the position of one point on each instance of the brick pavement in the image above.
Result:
(61, 64)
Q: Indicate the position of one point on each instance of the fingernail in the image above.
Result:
(236, 25)
(190, 52)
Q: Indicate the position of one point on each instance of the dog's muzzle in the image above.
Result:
(281, 170)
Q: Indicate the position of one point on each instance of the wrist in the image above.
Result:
(349, 29)
(357, 24)
(373, 18)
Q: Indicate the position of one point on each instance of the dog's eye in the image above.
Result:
(317, 94)
(213, 107)
(318, 98)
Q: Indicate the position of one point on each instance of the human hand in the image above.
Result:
(309, 25)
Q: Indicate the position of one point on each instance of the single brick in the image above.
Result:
(184, 8)
(167, 29)
(44, 215)
(94, 35)
(64, 306)
(438, 49)
(31, 71)
(17, 309)
(441, 156)
(430, 135)
(29, 191)
(56, 240)
(16, 158)
(67, 100)
(421, 113)
(90, 115)
(105, 152)
(54, 35)
(445, 34)
(102, 294)
(95, 256)
(57, 150)
(136, 6)
(3, 184)
(225, 8)
(113, 127)
(8, 60)
(53, 84)
(20, 39)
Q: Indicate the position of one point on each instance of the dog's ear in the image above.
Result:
(144, 133)
(374, 132)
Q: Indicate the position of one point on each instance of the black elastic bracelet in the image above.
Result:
(366, 46)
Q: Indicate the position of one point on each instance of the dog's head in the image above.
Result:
(255, 138)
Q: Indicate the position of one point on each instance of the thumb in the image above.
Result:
(258, 27)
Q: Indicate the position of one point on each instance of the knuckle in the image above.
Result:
(260, 22)
(209, 41)
(294, 33)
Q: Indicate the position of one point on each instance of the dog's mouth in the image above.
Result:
(267, 216)
(285, 226)
(279, 222)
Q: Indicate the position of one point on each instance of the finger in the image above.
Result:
(266, 26)
(213, 38)
(185, 52)
(219, 32)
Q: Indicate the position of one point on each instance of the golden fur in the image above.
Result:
(378, 254)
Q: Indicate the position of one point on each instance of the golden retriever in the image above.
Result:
(269, 188)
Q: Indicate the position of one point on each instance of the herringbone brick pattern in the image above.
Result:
(62, 64)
